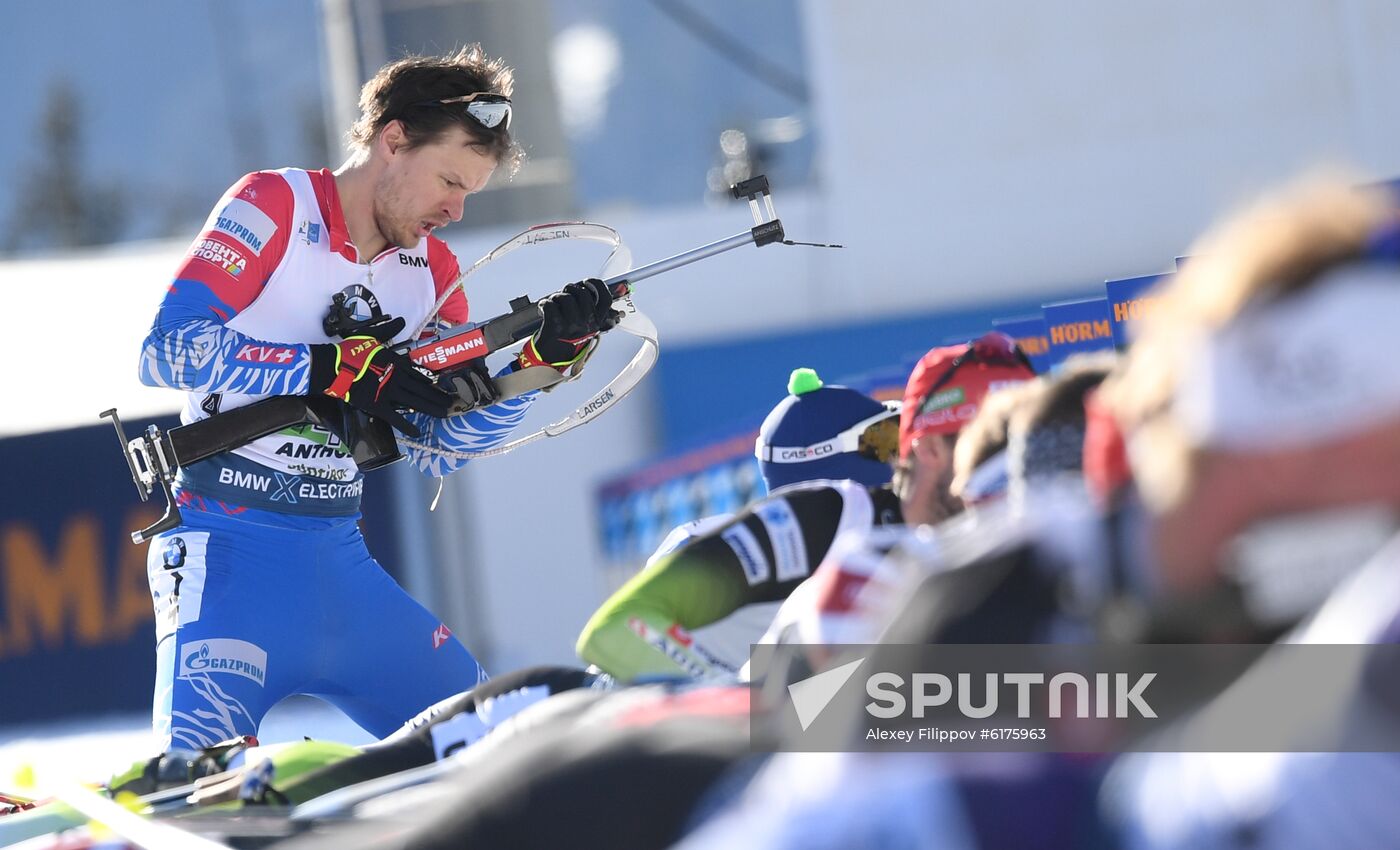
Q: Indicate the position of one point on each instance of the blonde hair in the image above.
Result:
(1274, 249)
(986, 434)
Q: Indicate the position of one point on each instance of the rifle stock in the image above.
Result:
(240, 426)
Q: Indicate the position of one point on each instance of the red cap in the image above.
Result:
(988, 363)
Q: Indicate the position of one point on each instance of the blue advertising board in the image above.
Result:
(750, 374)
(1128, 301)
(1077, 327)
(1029, 333)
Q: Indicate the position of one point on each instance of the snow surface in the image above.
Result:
(92, 750)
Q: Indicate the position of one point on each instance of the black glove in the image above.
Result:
(474, 385)
(363, 373)
(572, 317)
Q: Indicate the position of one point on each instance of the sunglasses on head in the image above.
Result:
(485, 108)
(873, 438)
(993, 349)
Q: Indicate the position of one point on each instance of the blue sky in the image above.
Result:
(182, 97)
(179, 97)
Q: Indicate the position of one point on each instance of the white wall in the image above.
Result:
(73, 330)
(980, 146)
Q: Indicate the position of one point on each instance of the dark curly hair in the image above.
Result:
(396, 91)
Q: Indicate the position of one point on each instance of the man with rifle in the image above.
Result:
(266, 589)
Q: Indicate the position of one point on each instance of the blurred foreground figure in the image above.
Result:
(1257, 399)
(1252, 400)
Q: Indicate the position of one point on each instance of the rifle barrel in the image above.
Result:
(684, 258)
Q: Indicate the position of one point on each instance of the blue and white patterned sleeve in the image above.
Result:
(190, 346)
(475, 431)
(204, 356)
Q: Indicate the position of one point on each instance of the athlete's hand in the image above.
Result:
(360, 371)
(572, 318)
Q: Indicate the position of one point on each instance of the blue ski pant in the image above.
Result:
(254, 606)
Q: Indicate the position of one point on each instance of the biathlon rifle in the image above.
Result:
(456, 356)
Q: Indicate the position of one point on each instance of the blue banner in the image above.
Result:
(1128, 301)
(77, 633)
(1029, 333)
(1076, 327)
(77, 630)
(751, 373)
(639, 508)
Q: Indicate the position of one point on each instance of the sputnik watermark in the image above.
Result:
(888, 700)
(815, 693)
(1077, 698)
(934, 734)
(1122, 691)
